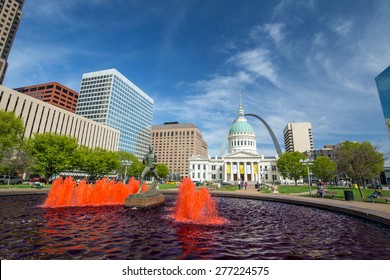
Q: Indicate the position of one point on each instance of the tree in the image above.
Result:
(96, 162)
(52, 153)
(359, 161)
(11, 131)
(162, 170)
(134, 169)
(290, 167)
(324, 168)
(16, 160)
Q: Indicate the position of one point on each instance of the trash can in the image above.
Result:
(348, 195)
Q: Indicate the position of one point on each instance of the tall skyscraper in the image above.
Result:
(175, 143)
(10, 16)
(383, 86)
(110, 98)
(53, 93)
(298, 137)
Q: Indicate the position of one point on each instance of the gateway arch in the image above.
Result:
(276, 143)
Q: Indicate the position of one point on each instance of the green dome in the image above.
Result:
(241, 127)
(240, 124)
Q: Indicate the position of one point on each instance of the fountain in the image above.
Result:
(196, 206)
(189, 226)
(66, 192)
(192, 205)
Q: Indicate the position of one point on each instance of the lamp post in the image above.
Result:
(307, 162)
(126, 163)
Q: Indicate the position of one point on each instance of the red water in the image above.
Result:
(196, 206)
(103, 192)
(191, 206)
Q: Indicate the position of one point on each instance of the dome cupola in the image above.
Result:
(241, 134)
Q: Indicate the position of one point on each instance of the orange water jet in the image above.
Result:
(104, 192)
(196, 206)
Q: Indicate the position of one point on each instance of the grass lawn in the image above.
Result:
(228, 188)
(356, 193)
(167, 186)
(294, 189)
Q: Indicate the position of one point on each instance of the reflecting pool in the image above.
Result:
(253, 230)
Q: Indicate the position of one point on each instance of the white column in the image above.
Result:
(245, 174)
(225, 178)
(252, 172)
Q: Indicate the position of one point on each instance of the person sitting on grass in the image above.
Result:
(375, 194)
(321, 191)
(38, 185)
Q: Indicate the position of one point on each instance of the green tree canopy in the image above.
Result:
(290, 167)
(324, 168)
(11, 131)
(162, 170)
(96, 162)
(52, 153)
(359, 161)
(134, 169)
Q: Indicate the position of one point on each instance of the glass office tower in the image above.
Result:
(110, 98)
(383, 86)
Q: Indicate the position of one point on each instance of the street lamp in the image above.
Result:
(307, 162)
(126, 163)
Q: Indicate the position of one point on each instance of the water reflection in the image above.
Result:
(255, 230)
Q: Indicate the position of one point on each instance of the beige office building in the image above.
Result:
(10, 16)
(40, 117)
(175, 143)
(298, 137)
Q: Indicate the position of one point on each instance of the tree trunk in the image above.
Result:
(360, 190)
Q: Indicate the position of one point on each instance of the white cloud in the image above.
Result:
(258, 62)
(341, 26)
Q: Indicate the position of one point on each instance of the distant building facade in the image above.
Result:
(175, 143)
(10, 16)
(39, 117)
(329, 151)
(383, 86)
(241, 163)
(53, 93)
(111, 99)
(298, 137)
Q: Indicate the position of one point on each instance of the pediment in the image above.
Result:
(242, 154)
(198, 157)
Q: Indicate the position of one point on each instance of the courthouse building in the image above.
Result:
(241, 163)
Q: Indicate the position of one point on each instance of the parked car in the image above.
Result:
(13, 180)
(374, 186)
(37, 179)
(197, 183)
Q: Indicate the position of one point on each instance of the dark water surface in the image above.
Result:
(255, 230)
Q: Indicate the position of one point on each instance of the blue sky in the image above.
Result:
(294, 61)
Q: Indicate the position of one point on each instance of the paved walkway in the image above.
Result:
(379, 212)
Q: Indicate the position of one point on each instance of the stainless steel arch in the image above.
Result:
(276, 143)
